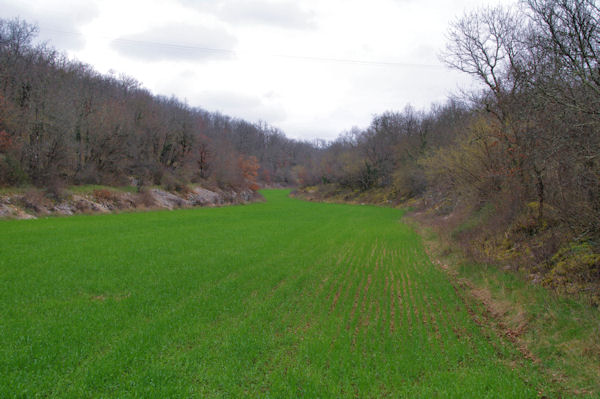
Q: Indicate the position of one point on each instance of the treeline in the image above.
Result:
(61, 122)
(523, 153)
(389, 153)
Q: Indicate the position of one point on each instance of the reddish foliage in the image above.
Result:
(303, 177)
(266, 176)
(105, 195)
(249, 167)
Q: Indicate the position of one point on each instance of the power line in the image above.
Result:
(173, 45)
(232, 52)
(358, 62)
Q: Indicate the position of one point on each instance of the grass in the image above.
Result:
(562, 333)
(88, 188)
(14, 190)
(279, 299)
(476, 219)
(80, 189)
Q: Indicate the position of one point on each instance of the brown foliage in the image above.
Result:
(60, 119)
(105, 195)
(249, 167)
(6, 142)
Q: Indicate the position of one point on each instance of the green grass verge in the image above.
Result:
(81, 189)
(475, 220)
(14, 190)
(560, 332)
(278, 299)
(89, 188)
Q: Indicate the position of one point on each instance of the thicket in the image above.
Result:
(515, 165)
(61, 122)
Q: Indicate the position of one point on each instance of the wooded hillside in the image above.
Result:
(61, 122)
(513, 167)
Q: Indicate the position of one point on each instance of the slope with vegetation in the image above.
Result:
(29, 203)
(511, 172)
(62, 123)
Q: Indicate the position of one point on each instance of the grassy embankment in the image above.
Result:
(560, 333)
(278, 299)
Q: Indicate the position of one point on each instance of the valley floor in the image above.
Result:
(278, 299)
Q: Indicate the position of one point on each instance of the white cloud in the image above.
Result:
(267, 12)
(58, 21)
(279, 66)
(176, 42)
(277, 13)
(252, 108)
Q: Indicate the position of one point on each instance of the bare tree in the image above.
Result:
(568, 34)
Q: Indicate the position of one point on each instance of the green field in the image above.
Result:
(280, 299)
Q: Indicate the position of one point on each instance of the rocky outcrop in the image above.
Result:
(34, 203)
(201, 196)
(165, 199)
(9, 211)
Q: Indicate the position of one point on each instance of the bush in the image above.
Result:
(35, 200)
(174, 184)
(11, 173)
(55, 190)
(575, 268)
(105, 195)
(144, 199)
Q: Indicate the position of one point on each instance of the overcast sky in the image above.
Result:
(313, 68)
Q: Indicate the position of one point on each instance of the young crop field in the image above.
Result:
(281, 299)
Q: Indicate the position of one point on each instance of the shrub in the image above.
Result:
(55, 190)
(35, 200)
(11, 173)
(575, 267)
(104, 194)
(174, 184)
(145, 199)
